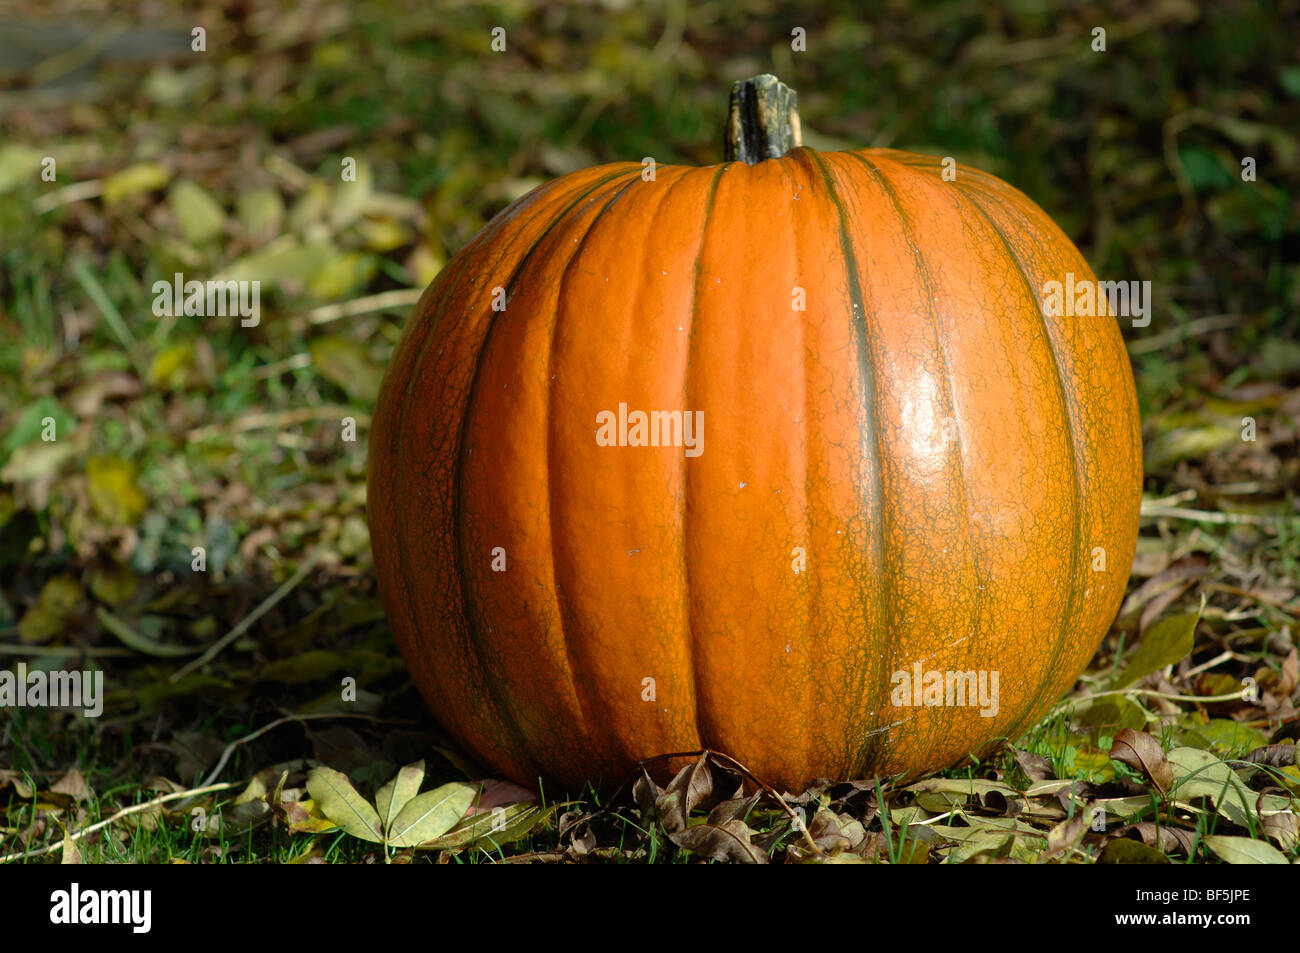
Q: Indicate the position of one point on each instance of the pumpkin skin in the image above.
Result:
(949, 460)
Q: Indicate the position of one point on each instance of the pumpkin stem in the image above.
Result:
(763, 122)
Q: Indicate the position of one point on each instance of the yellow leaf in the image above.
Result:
(338, 800)
(134, 180)
(423, 266)
(113, 492)
(383, 234)
(61, 598)
(18, 165)
(394, 795)
(169, 366)
(431, 814)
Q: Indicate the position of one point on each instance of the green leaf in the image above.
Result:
(310, 207)
(1230, 737)
(18, 165)
(1113, 711)
(169, 87)
(351, 197)
(285, 260)
(260, 211)
(303, 667)
(1187, 442)
(1289, 77)
(137, 640)
(1203, 168)
(1166, 642)
(432, 814)
(30, 423)
(1243, 850)
(343, 277)
(337, 799)
(200, 216)
(345, 363)
(395, 795)
(1127, 809)
(1198, 774)
(981, 841)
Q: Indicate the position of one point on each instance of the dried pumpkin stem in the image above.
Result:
(763, 122)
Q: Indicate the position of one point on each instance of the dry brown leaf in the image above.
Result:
(1035, 766)
(1068, 833)
(731, 841)
(1277, 756)
(1161, 836)
(1141, 751)
(692, 786)
(74, 785)
(1177, 575)
(734, 809)
(1283, 828)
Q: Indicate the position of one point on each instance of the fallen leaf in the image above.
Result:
(432, 814)
(338, 800)
(395, 795)
(1141, 751)
(1168, 641)
(730, 841)
(691, 785)
(1124, 850)
(200, 217)
(1244, 850)
(135, 180)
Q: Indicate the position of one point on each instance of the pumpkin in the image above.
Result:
(752, 457)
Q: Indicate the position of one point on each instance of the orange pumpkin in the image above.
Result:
(900, 467)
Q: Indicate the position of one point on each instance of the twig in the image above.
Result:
(249, 619)
(1287, 608)
(1212, 516)
(398, 298)
(69, 60)
(1213, 322)
(1205, 667)
(85, 651)
(76, 192)
(1183, 496)
(133, 809)
(798, 822)
(1149, 693)
(230, 748)
(286, 418)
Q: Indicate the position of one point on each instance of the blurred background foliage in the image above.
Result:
(182, 431)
